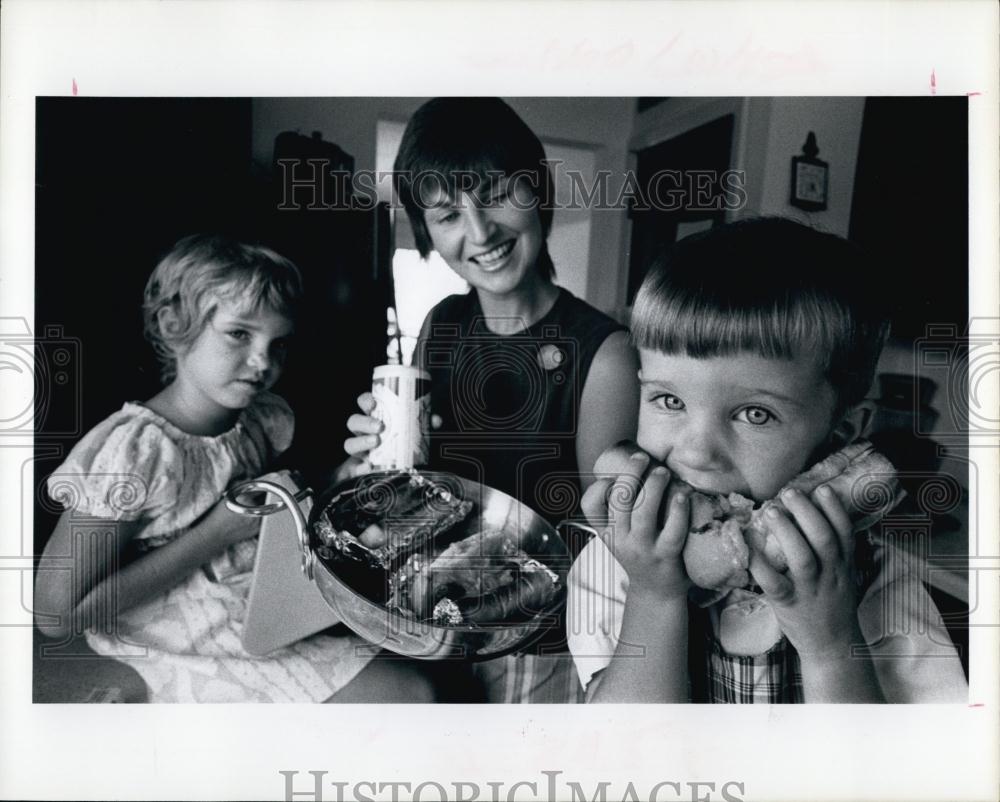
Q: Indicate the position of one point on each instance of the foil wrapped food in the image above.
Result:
(404, 526)
(378, 521)
(483, 579)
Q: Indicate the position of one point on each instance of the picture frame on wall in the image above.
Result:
(810, 178)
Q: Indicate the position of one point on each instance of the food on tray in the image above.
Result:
(723, 529)
(403, 527)
(379, 519)
(483, 579)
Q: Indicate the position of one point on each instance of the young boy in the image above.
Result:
(758, 344)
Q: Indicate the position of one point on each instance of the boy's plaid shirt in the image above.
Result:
(774, 676)
(928, 671)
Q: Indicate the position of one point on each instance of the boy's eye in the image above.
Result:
(447, 217)
(756, 416)
(669, 401)
(240, 335)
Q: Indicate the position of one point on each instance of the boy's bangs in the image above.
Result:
(701, 329)
(770, 287)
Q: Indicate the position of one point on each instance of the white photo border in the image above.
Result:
(270, 49)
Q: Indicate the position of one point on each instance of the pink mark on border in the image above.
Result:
(933, 83)
(978, 704)
(74, 87)
(972, 94)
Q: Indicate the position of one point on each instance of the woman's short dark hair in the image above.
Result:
(772, 287)
(449, 140)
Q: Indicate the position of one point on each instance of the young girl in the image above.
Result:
(161, 577)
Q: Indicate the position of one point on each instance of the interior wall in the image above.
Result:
(569, 238)
(836, 121)
(601, 125)
(769, 132)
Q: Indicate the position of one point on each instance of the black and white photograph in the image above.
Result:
(474, 406)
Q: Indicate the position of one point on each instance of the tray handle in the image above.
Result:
(288, 501)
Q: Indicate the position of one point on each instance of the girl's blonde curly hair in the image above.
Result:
(198, 272)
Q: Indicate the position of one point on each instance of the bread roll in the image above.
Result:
(724, 529)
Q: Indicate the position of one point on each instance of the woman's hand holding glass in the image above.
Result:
(365, 430)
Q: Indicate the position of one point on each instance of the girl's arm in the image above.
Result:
(74, 558)
(609, 403)
(79, 579)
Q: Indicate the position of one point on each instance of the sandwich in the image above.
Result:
(725, 529)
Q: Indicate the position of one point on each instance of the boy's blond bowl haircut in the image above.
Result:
(768, 286)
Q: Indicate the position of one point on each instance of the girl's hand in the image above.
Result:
(626, 520)
(226, 527)
(815, 602)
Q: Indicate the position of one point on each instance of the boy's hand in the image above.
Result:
(815, 601)
(625, 513)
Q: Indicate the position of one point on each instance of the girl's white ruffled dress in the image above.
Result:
(185, 643)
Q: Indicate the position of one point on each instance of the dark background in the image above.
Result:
(118, 182)
(911, 207)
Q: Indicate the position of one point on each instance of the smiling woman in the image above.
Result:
(492, 239)
(530, 383)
